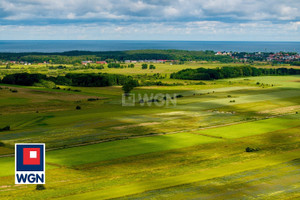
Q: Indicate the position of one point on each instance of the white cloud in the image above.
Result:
(71, 16)
(171, 12)
(152, 9)
(151, 19)
(200, 30)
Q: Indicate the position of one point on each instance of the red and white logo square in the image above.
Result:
(31, 156)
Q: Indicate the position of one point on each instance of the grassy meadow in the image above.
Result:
(162, 68)
(192, 148)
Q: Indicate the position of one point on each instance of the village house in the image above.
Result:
(101, 62)
(86, 62)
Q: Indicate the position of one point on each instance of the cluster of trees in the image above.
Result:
(145, 66)
(114, 65)
(130, 66)
(230, 72)
(57, 67)
(75, 57)
(85, 80)
(118, 65)
(152, 67)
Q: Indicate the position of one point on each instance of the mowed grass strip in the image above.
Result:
(123, 148)
(253, 128)
(164, 182)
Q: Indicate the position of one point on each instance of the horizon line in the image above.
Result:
(152, 40)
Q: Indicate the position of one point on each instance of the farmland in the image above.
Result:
(193, 148)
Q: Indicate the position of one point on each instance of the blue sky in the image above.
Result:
(215, 20)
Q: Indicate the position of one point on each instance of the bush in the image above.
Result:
(40, 187)
(13, 90)
(200, 83)
(249, 149)
(131, 66)
(2, 144)
(93, 99)
(6, 128)
(78, 107)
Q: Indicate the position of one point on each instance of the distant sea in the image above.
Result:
(121, 45)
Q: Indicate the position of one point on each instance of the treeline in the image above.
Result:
(230, 72)
(71, 79)
(23, 79)
(75, 57)
(118, 65)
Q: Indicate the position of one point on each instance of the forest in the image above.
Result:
(75, 57)
(230, 72)
(71, 79)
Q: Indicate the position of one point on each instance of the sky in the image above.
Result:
(199, 20)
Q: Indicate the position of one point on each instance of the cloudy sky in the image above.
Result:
(225, 20)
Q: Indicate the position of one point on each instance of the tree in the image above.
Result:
(151, 67)
(129, 85)
(40, 187)
(144, 66)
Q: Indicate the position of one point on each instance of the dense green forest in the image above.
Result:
(85, 80)
(230, 72)
(73, 57)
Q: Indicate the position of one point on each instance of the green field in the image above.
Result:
(194, 149)
(162, 68)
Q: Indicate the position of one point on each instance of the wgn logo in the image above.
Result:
(151, 99)
(30, 163)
